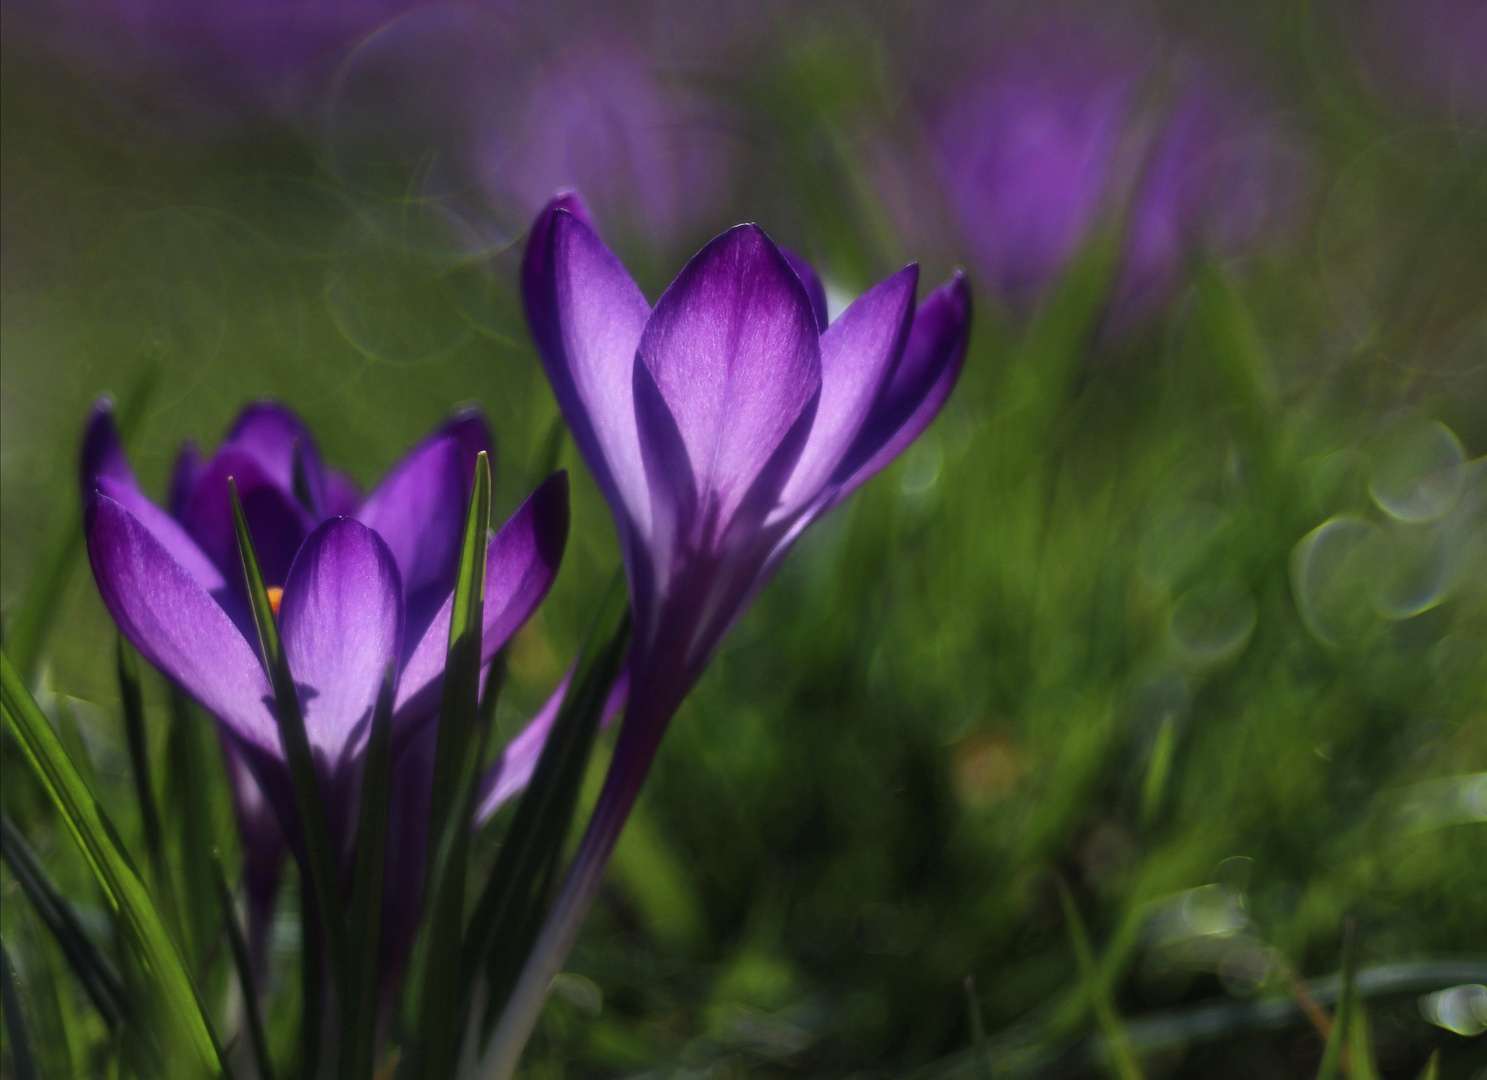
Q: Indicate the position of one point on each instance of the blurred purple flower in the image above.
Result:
(1055, 135)
(719, 426)
(1436, 50)
(357, 583)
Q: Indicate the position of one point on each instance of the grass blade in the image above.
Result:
(324, 875)
(978, 1031)
(454, 782)
(1342, 1017)
(179, 1019)
(192, 817)
(1118, 1056)
(90, 964)
(131, 694)
(22, 1045)
(359, 1014)
(511, 908)
(243, 964)
(1432, 1070)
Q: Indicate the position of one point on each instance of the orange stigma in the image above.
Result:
(275, 598)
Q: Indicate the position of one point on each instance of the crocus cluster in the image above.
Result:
(357, 583)
(1080, 125)
(719, 424)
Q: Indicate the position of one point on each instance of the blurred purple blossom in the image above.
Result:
(1081, 124)
(1433, 50)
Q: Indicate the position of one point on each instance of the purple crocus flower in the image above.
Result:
(1058, 133)
(356, 583)
(719, 426)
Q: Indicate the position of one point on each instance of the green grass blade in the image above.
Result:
(131, 694)
(1158, 770)
(25, 638)
(243, 965)
(324, 876)
(510, 911)
(1361, 1062)
(180, 1023)
(1118, 1056)
(92, 966)
(359, 1015)
(22, 1045)
(193, 773)
(454, 779)
(1332, 1055)
(978, 1031)
(1432, 1070)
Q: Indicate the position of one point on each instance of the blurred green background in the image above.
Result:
(1192, 619)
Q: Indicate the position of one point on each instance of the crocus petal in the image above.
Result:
(419, 510)
(342, 495)
(412, 782)
(342, 624)
(469, 429)
(273, 436)
(587, 316)
(931, 364)
(277, 521)
(184, 477)
(513, 770)
(264, 848)
(734, 355)
(169, 534)
(858, 354)
(103, 452)
(520, 565)
(175, 624)
(812, 282)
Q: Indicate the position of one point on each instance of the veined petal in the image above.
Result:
(419, 510)
(273, 436)
(587, 316)
(175, 624)
(342, 624)
(734, 354)
(275, 518)
(520, 565)
(913, 396)
(858, 354)
(812, 282)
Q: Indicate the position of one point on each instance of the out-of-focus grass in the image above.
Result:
(1085, 629)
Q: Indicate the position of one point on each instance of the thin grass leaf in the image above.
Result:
(979, 1046)
(1158, 769)
(92, 966)
(1361, 1063)
(1332, 1055)
(243, 965)
(1432, 1070)
(1118, 1056)
(454, 783)
(131, 694)
(512, 906)
(22, 1045)
(324, 876)
(25, 638)
(184, 1036)
(191, 768)
(359, 1013)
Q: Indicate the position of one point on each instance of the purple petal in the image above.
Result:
(520, 565)
(175, 624)
(513, 770)
(812, 282)
(469, 429)
(419, 510)
(925, 376)
(103, 453)
(858, 354)
(587, 316)
(412, 781)
(264, 848)
(173, 538)
(277, 521)
(734, 354)
(184, 477)
(272, 436)
(342, 624)
(342, 494)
